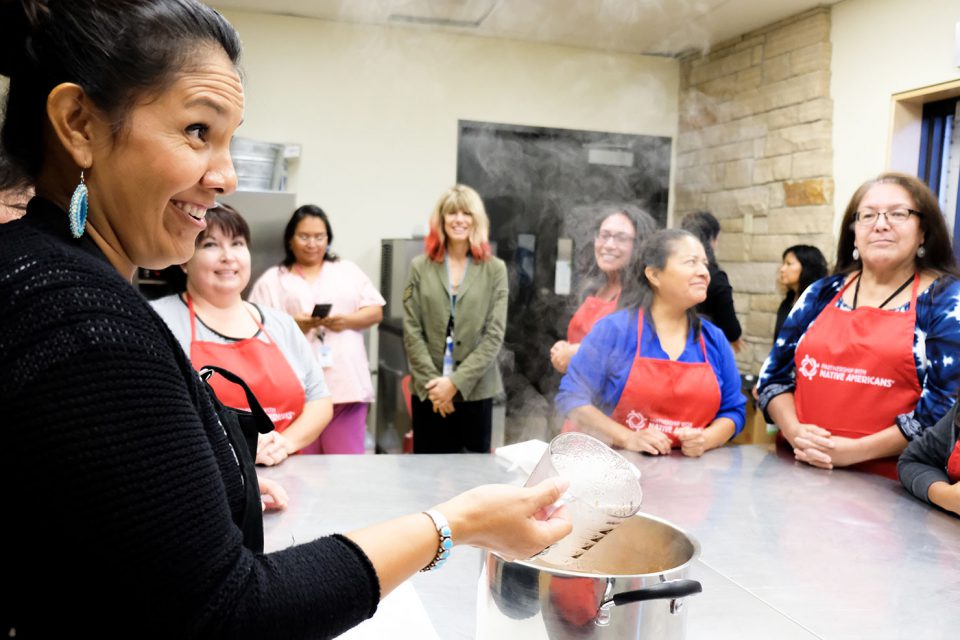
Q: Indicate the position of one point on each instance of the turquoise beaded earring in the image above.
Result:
(78, 209)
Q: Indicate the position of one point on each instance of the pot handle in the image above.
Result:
(670, 590)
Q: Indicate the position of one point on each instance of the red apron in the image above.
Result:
(953, 464)
(856, 372)
(261, 365)
(668, 395)
(592, 309)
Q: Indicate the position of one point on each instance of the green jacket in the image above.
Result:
(480, 321)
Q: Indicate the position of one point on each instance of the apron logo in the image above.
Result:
(809, 367)
(276, 416)
(636, 421)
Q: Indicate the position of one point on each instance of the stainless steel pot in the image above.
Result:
(630, 585)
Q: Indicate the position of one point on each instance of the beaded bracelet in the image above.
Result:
(446, 540)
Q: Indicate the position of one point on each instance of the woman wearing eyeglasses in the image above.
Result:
(616, 251)
(867, 358)
(333, 302)
(654, 376)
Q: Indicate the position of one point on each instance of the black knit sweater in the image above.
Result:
(121, 486)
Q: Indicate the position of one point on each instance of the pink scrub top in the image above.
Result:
(347, 288)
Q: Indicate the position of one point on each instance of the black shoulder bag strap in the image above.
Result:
(243, 429)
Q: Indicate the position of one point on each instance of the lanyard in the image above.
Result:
(321, 332)
(453, 296)
(856, 290)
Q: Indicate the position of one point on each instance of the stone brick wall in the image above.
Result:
(754, 148)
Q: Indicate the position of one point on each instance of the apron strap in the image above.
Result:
(914, 279)
(242, 429)
(703, 345)
(261, 420)
(193, 321)
(913, 292)
(453, 296)
(639, 330)
(257, 320)
(193, 318)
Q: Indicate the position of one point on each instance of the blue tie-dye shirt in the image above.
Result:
(936, 348)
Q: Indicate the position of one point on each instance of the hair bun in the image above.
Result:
(18, 19)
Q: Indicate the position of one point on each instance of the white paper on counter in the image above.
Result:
(400, 616)
(525, 455)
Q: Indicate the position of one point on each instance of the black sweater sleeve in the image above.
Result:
(124, 481)
(719, 305)
(925, 459)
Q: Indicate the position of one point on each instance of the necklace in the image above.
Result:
(856, 291)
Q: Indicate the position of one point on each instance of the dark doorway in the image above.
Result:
(538, 186)
(938, 166)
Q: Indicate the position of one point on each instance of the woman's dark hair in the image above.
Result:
(654, 253)
(227, 221)
(938, 256)
(118, 51)
(706, 228)
(643, 225)
(224, 219)
(302, 212)
(813, 266)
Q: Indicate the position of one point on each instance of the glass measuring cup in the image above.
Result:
(604, 491)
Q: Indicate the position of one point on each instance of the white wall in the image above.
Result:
(376, 109)
(882, 47)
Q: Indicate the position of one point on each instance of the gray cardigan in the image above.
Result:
(925, 459)
(481, 319)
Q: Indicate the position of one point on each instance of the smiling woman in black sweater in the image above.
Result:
(123, 473)
(127, 493)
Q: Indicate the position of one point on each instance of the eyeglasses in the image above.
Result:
(306, 238)
(619, 238)
(869, 217)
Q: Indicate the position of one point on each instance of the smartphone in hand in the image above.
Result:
(321, 310)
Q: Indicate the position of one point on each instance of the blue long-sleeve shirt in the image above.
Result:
(936, 348)
(599, 370)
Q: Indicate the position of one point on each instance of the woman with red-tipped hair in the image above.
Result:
(455, 314)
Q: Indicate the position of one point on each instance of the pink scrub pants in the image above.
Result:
(345, 432)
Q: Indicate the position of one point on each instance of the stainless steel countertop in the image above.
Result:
(788, 551)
